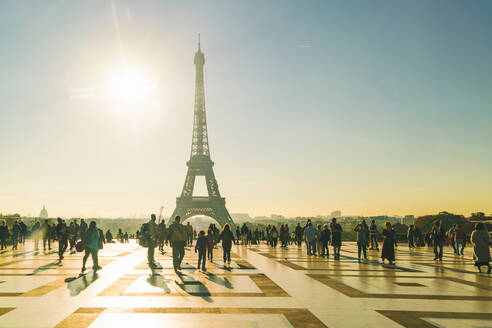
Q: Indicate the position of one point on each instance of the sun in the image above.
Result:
(129, 88)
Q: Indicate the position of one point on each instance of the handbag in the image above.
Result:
(79, 247)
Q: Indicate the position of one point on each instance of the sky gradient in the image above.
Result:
(370, 107)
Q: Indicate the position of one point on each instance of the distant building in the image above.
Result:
(408, 220)
(44, 213)
(336, 214)
(240, 217)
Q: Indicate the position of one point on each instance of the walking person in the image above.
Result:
(22, 232)
(83, 228)
(298, 232)
(362, 238)
(227, 238)
(210, 245)
(161, 235)
(459, 239)
(438, 236)
(92, 240)
(310, 238)
(189, 233)
(177, 237)
(150, 234)
(325, 239)
(4, 235)
(274, 236)
(336, 238)
(35, 230)
(319, 242)
(389, 242)
(373, 232)
(72, 235)
(109, 236)
(16, 233)
(201, 247)
(46, 235)
(62, 236)
(411, 237)
(244, 233)
(450, 235)
(481, 247)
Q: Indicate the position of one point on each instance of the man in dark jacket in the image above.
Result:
(62, 235)
(373, 234)
(177, 236)
(151, 239)
(16, 232)
(4, 235)
(438, 236)
(298, 233)
(22, 232)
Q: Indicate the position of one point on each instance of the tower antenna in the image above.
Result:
(198, 41)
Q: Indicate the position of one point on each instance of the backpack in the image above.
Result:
(144, 235)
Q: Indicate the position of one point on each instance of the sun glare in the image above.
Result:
(129, 88)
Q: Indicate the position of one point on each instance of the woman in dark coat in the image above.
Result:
(336, 238)
(481, 247)
(227, 238)
(389, 240)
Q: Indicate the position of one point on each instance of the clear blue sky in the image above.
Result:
(371, 107)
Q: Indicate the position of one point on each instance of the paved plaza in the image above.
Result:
(262, 287)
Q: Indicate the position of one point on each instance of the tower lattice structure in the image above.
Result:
(200, 163)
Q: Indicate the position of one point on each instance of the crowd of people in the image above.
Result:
(318, 239)
(72, 236)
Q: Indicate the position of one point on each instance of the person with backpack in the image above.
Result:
(92, 240)
(227, 238)
(62, 235)
(177, 237)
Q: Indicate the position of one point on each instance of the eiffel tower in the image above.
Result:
(200, 163)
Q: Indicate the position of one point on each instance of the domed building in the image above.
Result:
(44, 213)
